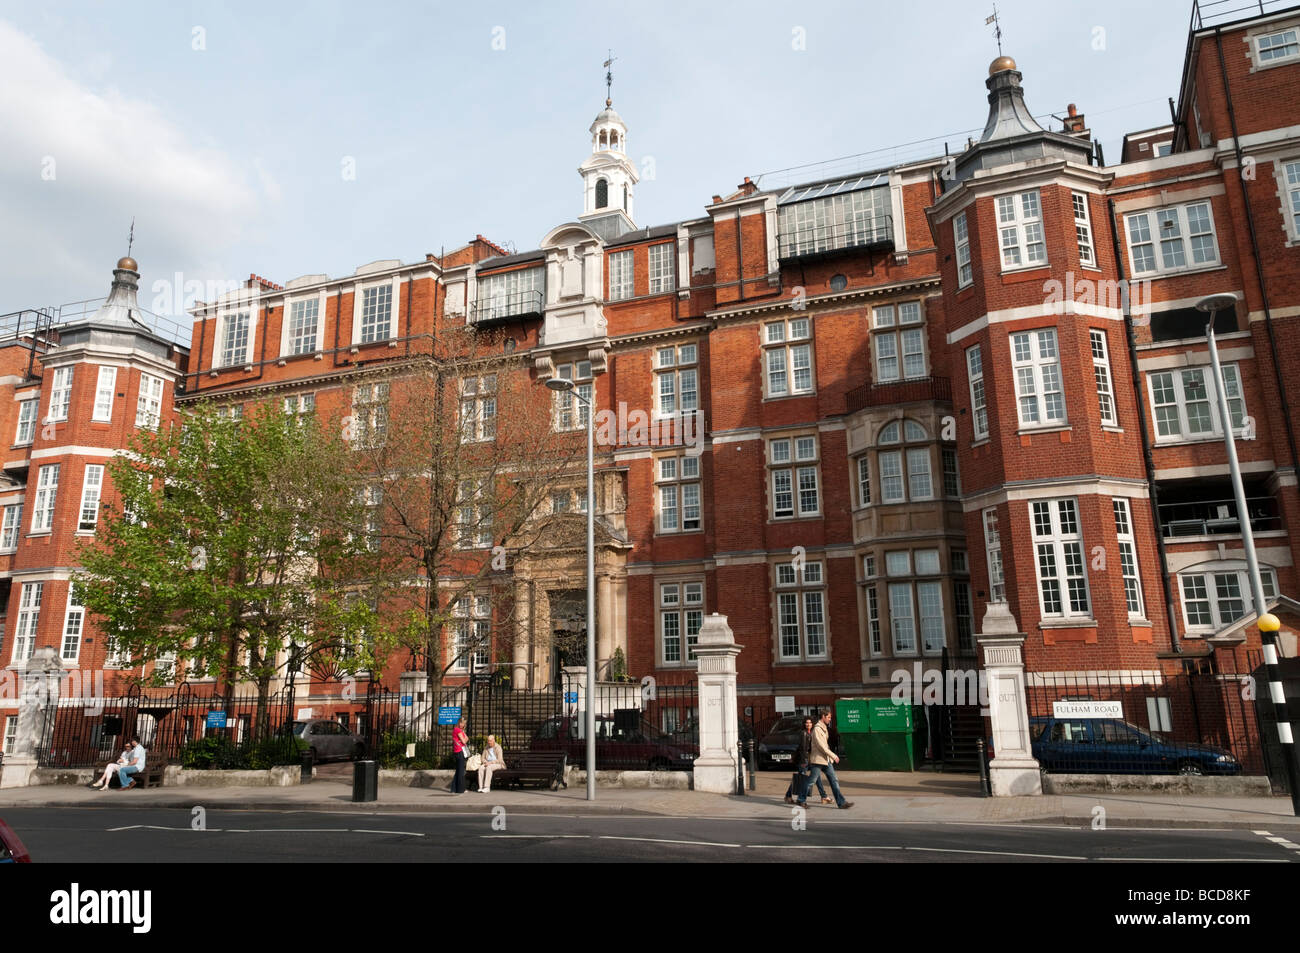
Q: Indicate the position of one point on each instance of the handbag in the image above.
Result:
(474, 763)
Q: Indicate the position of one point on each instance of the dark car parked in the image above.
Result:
(328, 740)
(1110, 746)
(639, 748)
(779, 745)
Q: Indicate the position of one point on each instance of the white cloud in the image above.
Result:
(112, 157)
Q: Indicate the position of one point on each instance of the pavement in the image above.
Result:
(881, 797)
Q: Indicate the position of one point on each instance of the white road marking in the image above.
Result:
(541, 836)
(1196, 860)
(1281, 842)
(664, 840)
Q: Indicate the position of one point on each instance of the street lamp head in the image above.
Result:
(559, 383)
(1212, 303)
(1269, 622)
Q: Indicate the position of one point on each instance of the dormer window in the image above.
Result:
(602, 193)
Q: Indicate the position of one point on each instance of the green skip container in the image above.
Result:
(875, 734)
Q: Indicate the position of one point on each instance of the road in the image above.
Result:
(110, 835)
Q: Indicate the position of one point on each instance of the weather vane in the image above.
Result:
(609, 79)
(130, 240)
(997, 27)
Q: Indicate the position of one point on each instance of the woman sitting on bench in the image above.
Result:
(493, 760)
(112, 769)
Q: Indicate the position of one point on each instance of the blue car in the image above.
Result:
(1110, 746)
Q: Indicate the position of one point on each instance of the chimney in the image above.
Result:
(747, 187)
(1074, 120)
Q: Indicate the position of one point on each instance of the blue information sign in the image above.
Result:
(216, 719)
(448, 714)
(408, 701)
(570, 698)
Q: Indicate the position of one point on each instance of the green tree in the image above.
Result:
(212, 551)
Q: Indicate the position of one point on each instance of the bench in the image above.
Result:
(150, 777)
(535, 767)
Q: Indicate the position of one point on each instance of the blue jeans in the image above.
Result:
(124, 774)
(814, 777)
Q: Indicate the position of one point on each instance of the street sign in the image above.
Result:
(304, 714)
(448, 714)
(570, 698)
(408, 701)
(216, 719)
(784, 704)
(1088, 709)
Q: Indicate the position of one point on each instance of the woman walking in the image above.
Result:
(458, 741)
(493, 760)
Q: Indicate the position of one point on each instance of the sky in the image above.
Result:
(310, 139)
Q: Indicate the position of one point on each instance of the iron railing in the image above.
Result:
(499, 307)
(1189, 723)
(1209, 13)
(174, 727)
(815, 240)
(899, 392)
(1217, 517)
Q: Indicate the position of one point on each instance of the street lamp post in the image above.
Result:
(562, 385)
(1268, 623)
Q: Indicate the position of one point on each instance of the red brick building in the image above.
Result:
(917, 389)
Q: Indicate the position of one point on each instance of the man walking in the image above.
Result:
(823, 761)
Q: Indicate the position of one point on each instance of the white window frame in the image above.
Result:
(226, 349)
(1102, 377)
(478, 408)
(676, 479)
(790, 466)
(474, 518)
(303, 405)
(28, 413)
(1020, 230)
(680, 605)
(570, 411)
(370, 414)
(949, 469)
(293, 341)
(11, 733)
(60, 394)
(787, 350)
(622, 275)
(907, 466)
(1145, 225)
(1209, 582)
(92, 487)
(993, 555)
(805, 591)
(11, 525)
(896, 346)
(1038, 379)
(961, 239)
(74, 626)
(660, 257)
(149, 401)
(978, 395)
(508, 293)
(363, 335)
(1057, 529)
(47, 491)
(28, 624)
(1128, 560)
(862, 478)
(1083, 229)
(472, 611)
(1288, 55)
(105, 390)
(675, 367)
(1178, 385)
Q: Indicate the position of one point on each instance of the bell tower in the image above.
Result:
(608, 177)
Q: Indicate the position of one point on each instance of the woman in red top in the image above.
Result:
(458, 741)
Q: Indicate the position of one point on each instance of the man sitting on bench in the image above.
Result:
(134, 765)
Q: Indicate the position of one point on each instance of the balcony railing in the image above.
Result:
(1217, 517)
(812, 241)
(899, 392)
(500, 307)
(1208, 13)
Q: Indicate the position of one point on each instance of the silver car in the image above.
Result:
(328, 740)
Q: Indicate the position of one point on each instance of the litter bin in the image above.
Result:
(365, 781)
(308, 767)
(852, 722)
